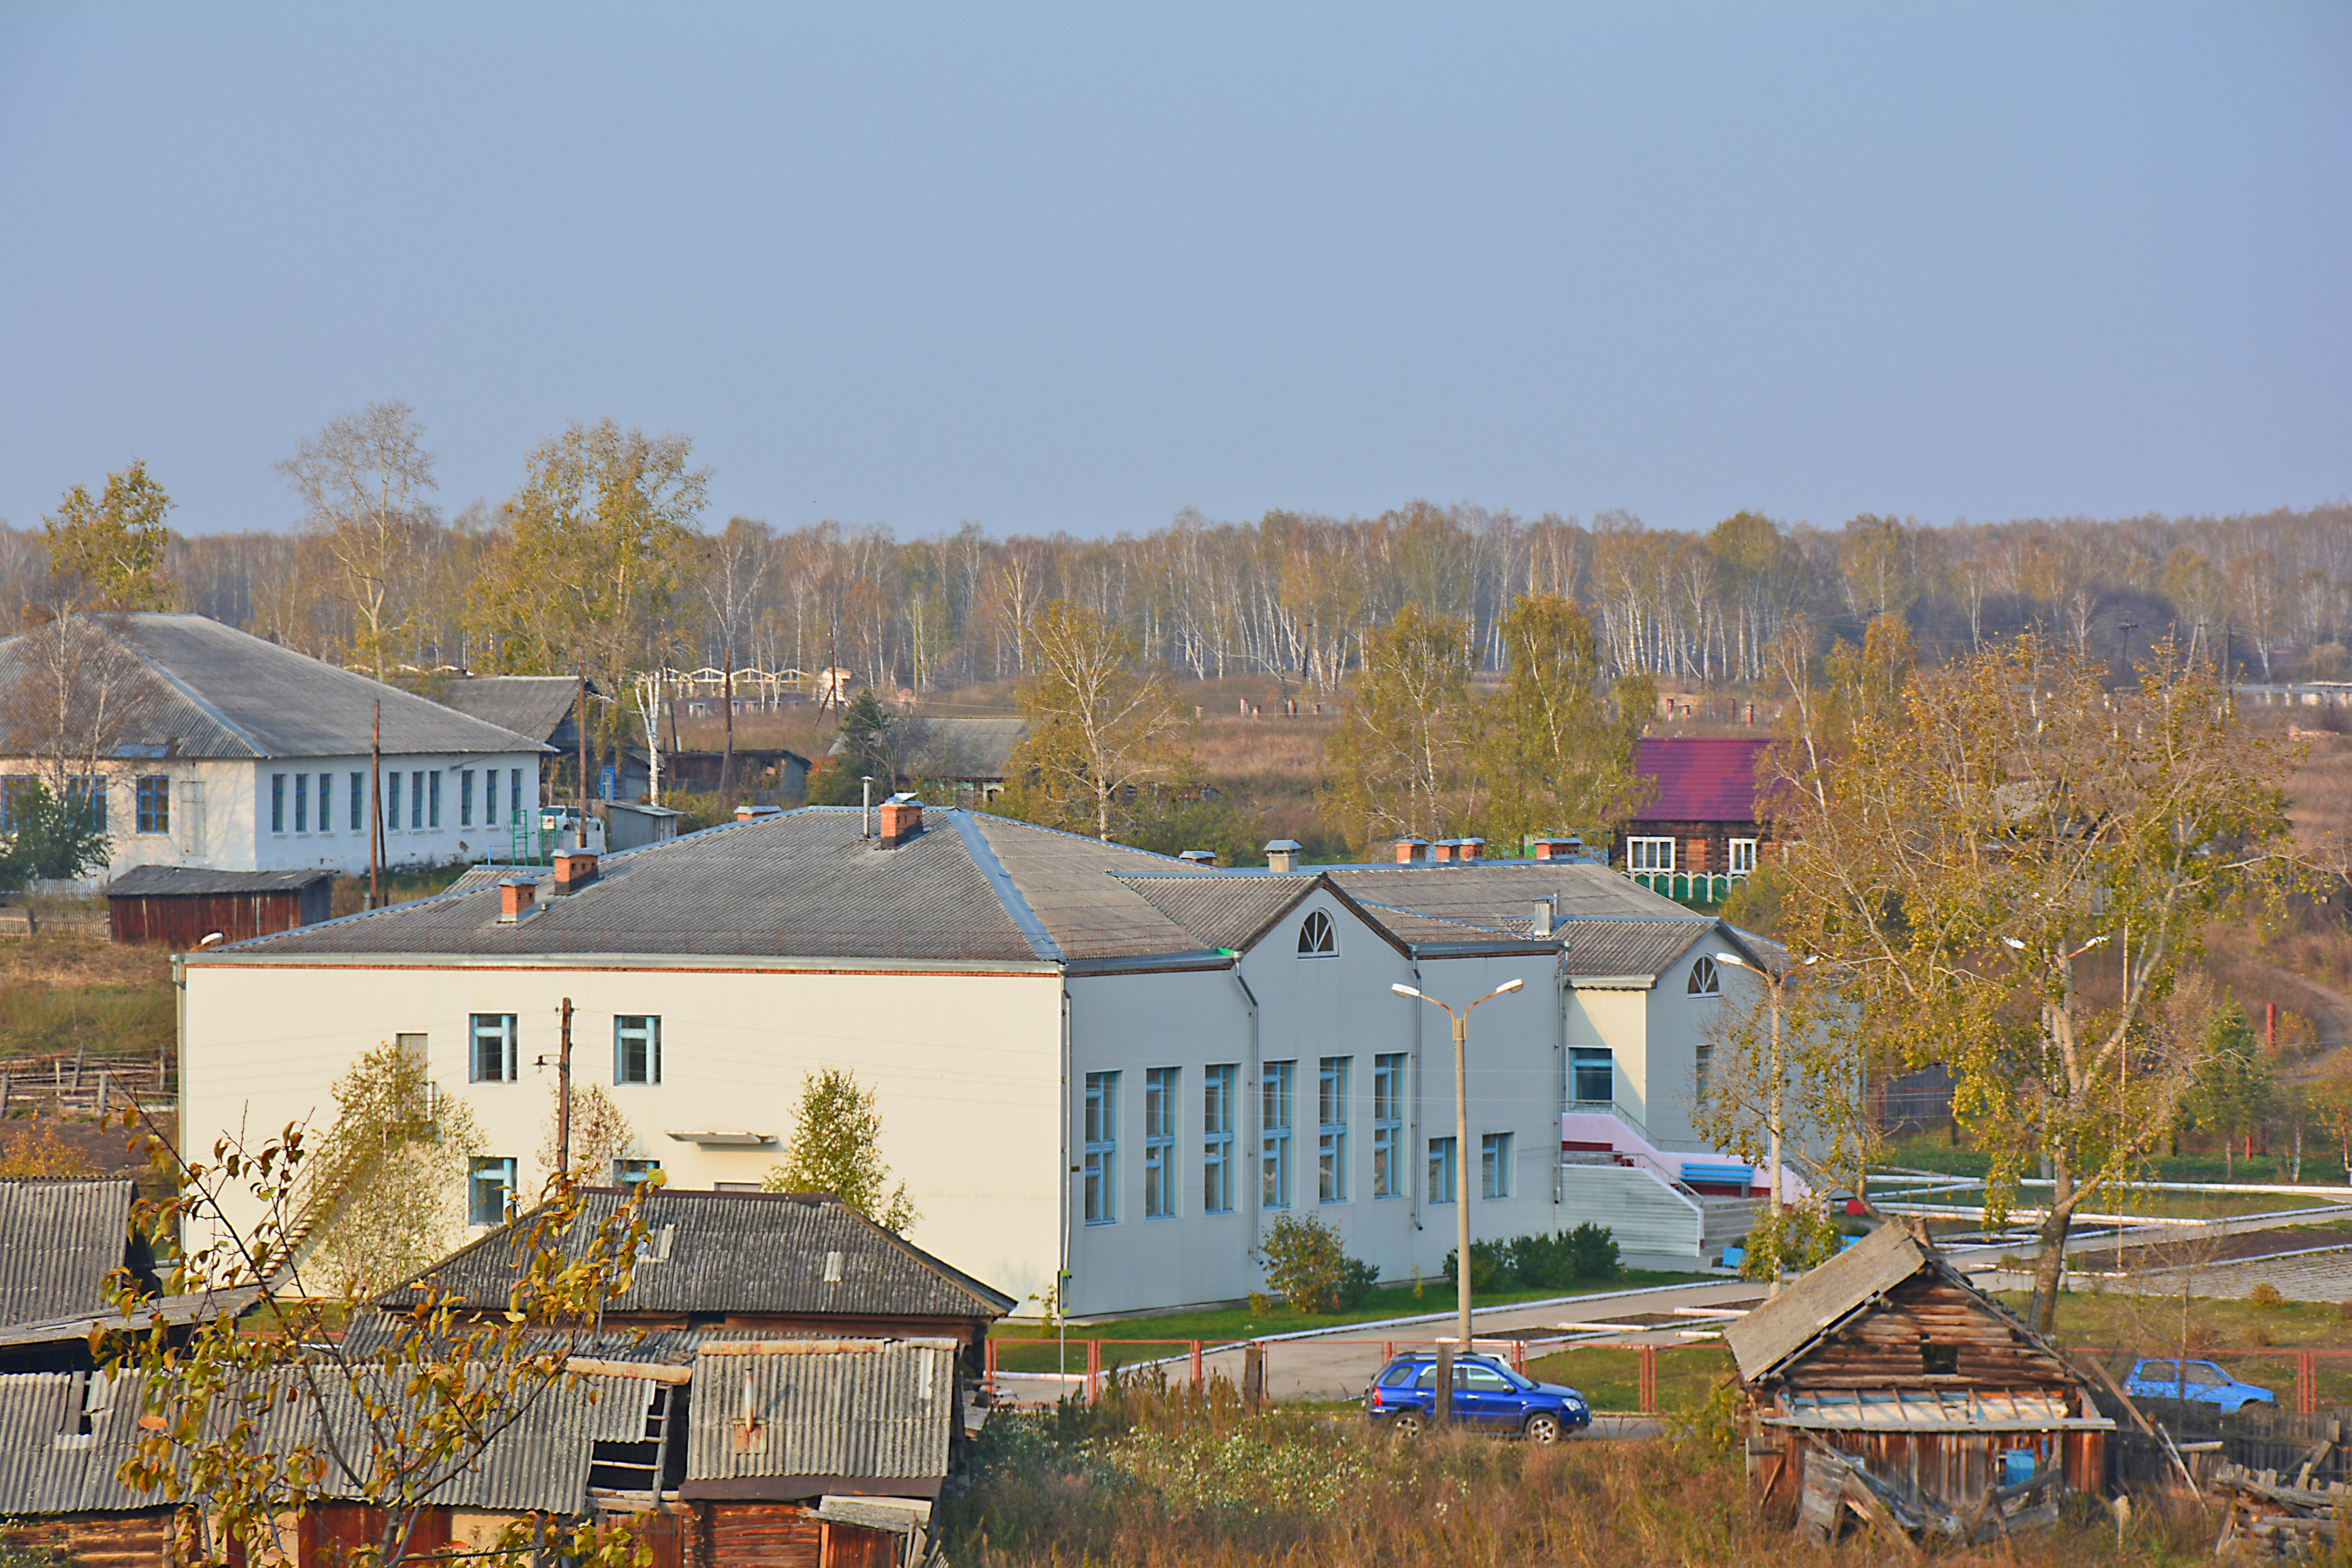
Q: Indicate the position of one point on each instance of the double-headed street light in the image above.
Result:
(1461, 1145)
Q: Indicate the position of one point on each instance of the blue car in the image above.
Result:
(2197, 1382)
(1488, 1395)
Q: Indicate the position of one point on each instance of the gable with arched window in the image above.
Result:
(1706, 980)
(1317, 938)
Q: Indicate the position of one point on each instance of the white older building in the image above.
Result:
(1088, 1057)
(237, 754)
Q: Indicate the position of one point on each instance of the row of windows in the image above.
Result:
(151, 800)
(1658, 854)
(1279, 1142)
(491, 1192)
(423, 800)
(492, 1056)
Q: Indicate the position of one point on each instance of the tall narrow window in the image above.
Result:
(325, 802)
(86, 793)
(1388, 1125)
(1102, 1148)
(392, 800)
(514, 794)
(465, 798)
(301, 803)
(488, 1183)
(1441, 1170)
(1495, 1165)
(416, 799)
(153, 804)
(1331, 1128)
(277, 803)
(433, 794)
(1159, 1103)
(637, 1048)
(491, 1056)
(358, 803)
(1594, 1075)
(1278, 1105)
(1218, 1085)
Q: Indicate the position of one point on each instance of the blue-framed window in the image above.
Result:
(301, 803)
(1595, 1074)
(514, 794)
(1220, 1086)
(86, 793)
(629, 1173)
(325, 802)
(1278, 1104)
(392, 800)
(152, 804)
(417, 798)
(488, 1184)
(1441, 1170)
(1388, 1125)
(277, 803)
(1331, 1086)
(1160, 1099)
(637, 1048)
(433, 798)
(358, 803)
(1102, 1148)
(1495, 1165)
(490, 1049)
(465, 798)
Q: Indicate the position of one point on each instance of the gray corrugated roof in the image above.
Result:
(882, 1410)
(218, 692)
(150, 881)
(1819, 1297)
(59, 1242)
(1629, 947)
(532, 705)
(1074, 886)
(1496, 893)
(40, 1474)
(1221, 912)
(741, 1253)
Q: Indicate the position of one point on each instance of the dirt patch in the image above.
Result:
(2210, 1249)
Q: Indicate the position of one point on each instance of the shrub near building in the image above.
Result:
(1541, 1262)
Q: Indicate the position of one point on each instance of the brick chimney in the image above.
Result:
(1440, 851)
(1469, 848)
(574, 870)
(902, 818)
(1409, 850)
(515, 896)
(1559, 847)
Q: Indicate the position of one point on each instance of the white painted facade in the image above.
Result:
(983, 1076)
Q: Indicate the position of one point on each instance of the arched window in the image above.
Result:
(1703, 980)
(1315, 937)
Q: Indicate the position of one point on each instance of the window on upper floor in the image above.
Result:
(637, 1048)
(1161, 1099)
(1316, 938)
(1649, 855)
(1706, 980)
(1220, 1086)
(490, 1050)
(489, 1185)
(1592, 1076)
(1388, 1125)
(1101, 1163)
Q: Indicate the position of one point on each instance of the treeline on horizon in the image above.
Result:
(1294, 595)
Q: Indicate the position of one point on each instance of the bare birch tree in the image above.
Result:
(362, 481)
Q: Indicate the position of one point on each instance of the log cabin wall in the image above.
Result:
(1889, 1347)
(786, 1535)
(142, 1540)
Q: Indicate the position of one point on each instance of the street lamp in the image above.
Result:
(1461, 1146)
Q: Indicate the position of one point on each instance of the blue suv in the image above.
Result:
(2195, 1381)
(1488, 1396)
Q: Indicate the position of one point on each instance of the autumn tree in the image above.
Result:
(1397, 764)
(376, 1199)
(836, 1147)
(1553, 754)
(1960, 853)
(601, 1131)
(2233, 1085)
(1100, 724)
(362, 481)
(106, 553)
(594, 567)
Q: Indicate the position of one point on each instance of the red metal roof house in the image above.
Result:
(1704, 819)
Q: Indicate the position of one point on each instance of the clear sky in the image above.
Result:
(1077, 267)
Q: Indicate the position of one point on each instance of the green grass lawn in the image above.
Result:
(2318, 1167)
(1609, 1376)
(1033, 1344)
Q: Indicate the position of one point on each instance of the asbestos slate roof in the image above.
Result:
(533, 705)
(871, 1411)
(1222, 911)
(744, 1253)
(1641, 947)
(59, 1242)
(218, 692)
(153, 881)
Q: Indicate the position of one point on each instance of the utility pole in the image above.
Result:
(376, 808)
(580, 839)
(563, 1094)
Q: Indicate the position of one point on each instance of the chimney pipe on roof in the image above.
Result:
(574, 870)
(1558, 846)
(1441, 852)
(1547, 914)
(902, 818)
(1469, 848)
(1409, 850)
(1198, 856)
(1282, 855)
(515, 896)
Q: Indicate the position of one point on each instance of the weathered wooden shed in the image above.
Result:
(179, 906)
(1885, 1385)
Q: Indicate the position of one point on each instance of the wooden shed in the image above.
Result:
(179, 906)
(1883, 1384)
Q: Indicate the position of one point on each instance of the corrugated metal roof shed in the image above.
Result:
(221, 693)
(59, 1239)
(151, 881)
(819, 1415)
(742, 1253)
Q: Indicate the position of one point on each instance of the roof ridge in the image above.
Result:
(191, 695)
(1000, 882)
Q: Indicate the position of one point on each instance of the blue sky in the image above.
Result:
(1077, 268)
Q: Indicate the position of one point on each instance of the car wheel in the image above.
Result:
(1543, 1426)
(1405, 1423)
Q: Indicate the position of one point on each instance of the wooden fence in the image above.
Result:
(69, 1084)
